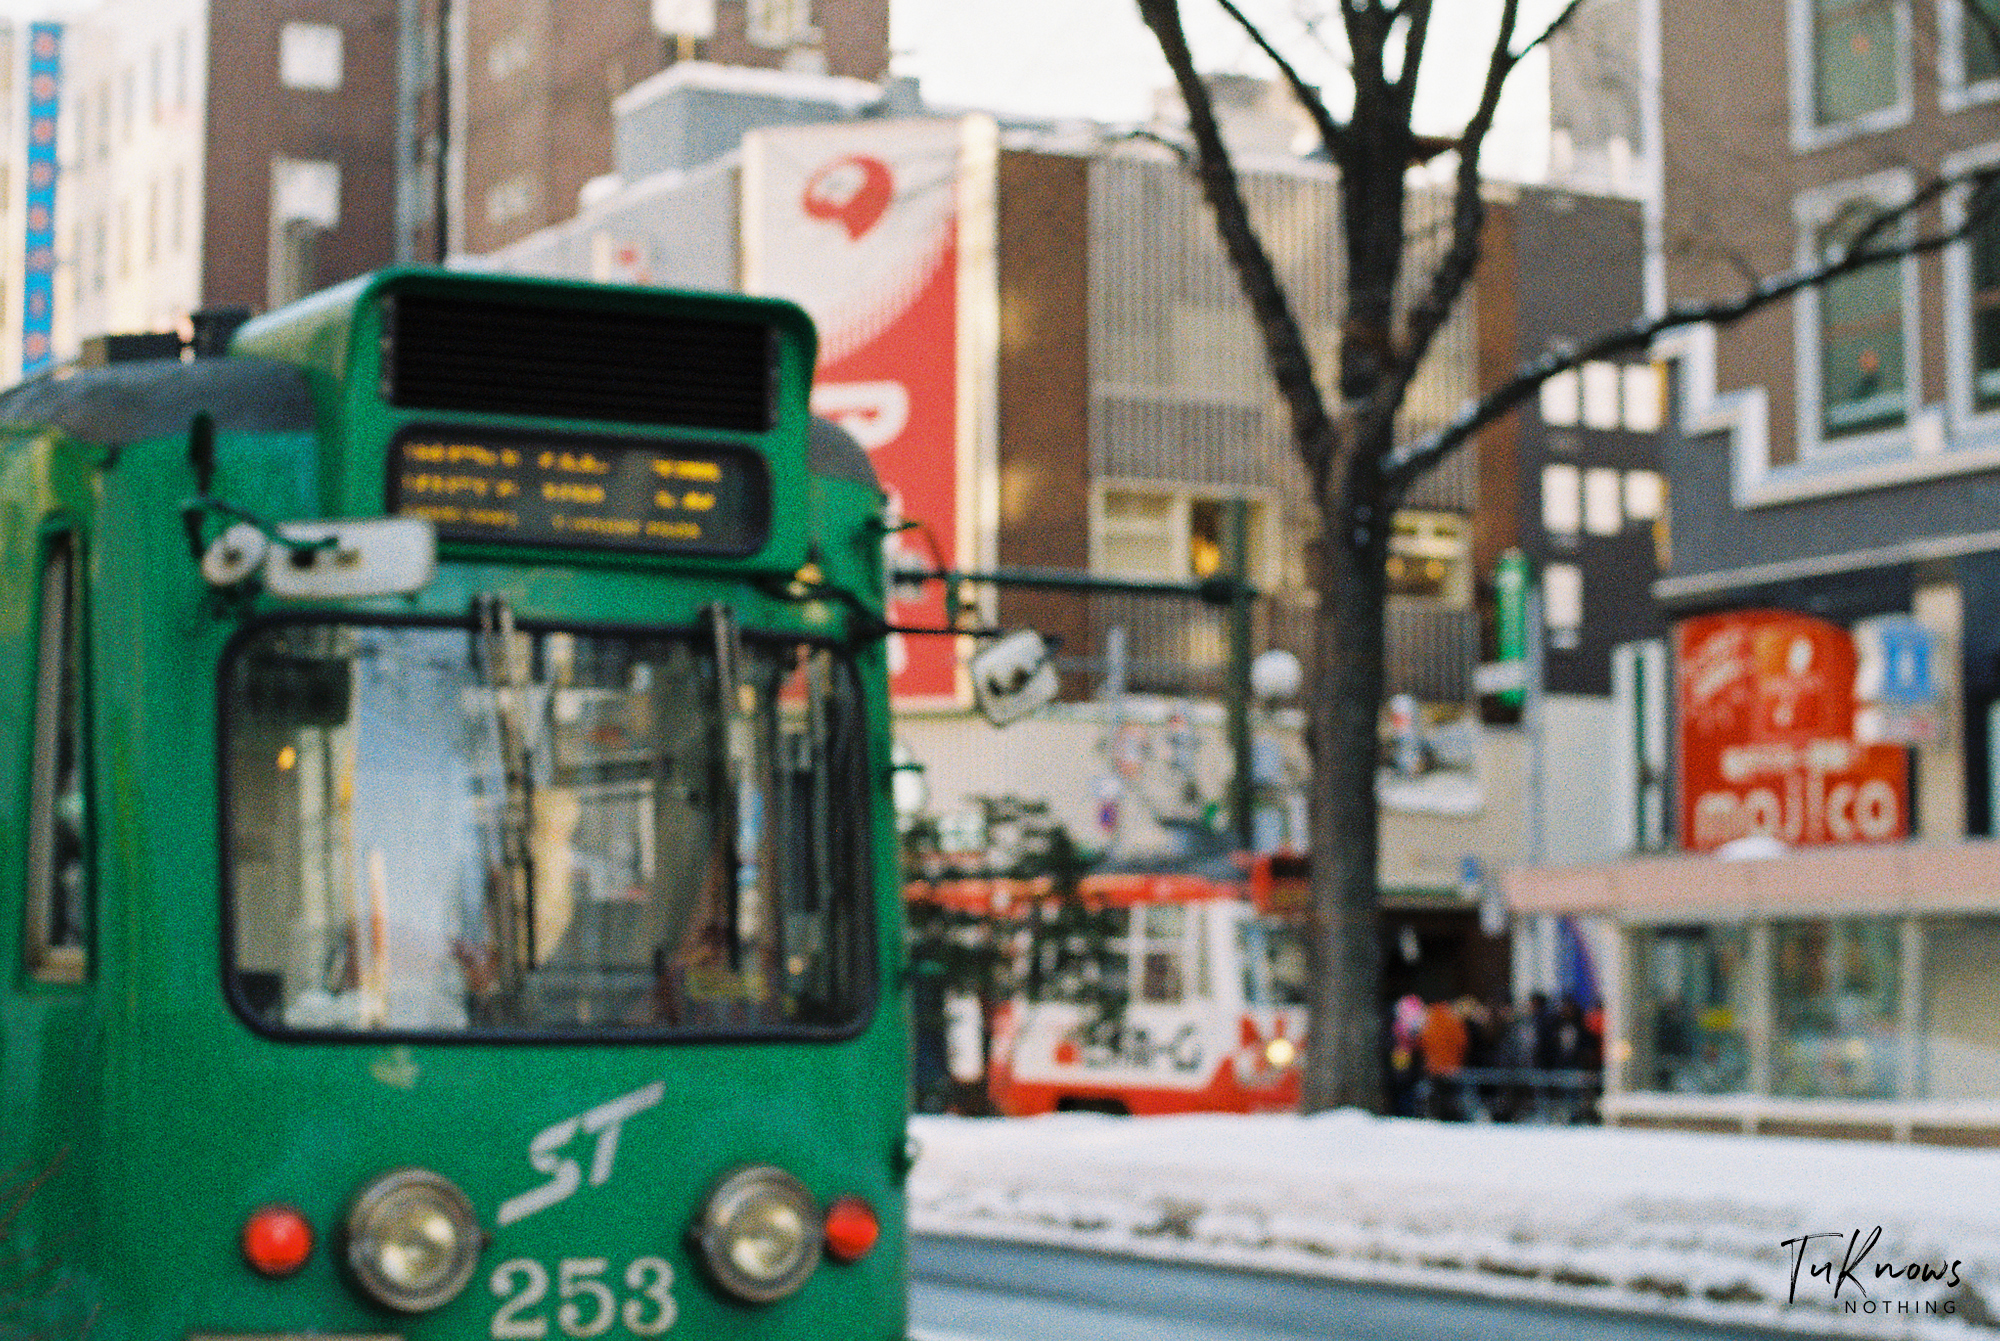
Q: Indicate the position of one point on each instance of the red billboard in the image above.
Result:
(1766, 741)
(863, 226)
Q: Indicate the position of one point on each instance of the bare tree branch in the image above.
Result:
(1455, 268)
(1284, 343)
(1419, 14)
(1412, 460)
(1331, 132)
(1185, 153)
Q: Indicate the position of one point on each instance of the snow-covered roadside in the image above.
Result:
(1669, 1222)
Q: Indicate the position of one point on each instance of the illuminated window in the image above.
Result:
(1169, 536)
(1562, 604)
(1603, 508)
(1600, 395)
(1559, 399)
(1427, 558)
(1562, 510)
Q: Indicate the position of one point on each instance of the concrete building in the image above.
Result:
(532, 84)
(1825, 709)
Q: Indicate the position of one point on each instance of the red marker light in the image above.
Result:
(276, 1241)
(851, 1229)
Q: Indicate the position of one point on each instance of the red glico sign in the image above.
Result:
(1766, 741)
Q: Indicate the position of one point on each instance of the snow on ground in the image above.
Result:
(1673, 1222)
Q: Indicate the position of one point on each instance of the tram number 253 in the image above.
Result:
(590, 1306)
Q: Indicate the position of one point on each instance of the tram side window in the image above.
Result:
(58, 900)
(1161, 979)
(1273, 961)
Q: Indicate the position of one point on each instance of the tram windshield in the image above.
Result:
(451, 829)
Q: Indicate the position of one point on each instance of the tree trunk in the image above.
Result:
(1345, 1063)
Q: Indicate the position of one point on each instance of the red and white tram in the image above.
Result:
(1213, 984)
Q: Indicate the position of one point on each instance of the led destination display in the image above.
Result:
(598, 493)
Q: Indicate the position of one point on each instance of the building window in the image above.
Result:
(309, 56)
(1604, 396)
(1603, 501)
(152, 222)
(155, 85)
(1427, 559)
(176, 219)
(777, 23)
(1562, 605)
(58, 873)
(1836, 1008)
(1968, 51)
(1860, 337)
(1959, 1041)
(1168, 535)
(512, 199)
(1697, 999)
(1983, 271)
(128, 102)
(305, 204)
(181, 60)
(104, 115)
(1857, 59)
(1850, 68)
(1562, 508)
(1856, 334)
(509, 55)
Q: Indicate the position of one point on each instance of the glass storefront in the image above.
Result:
(1700, 1007)
(1868, 1008)
(1958, 1044)
(1836, 1008)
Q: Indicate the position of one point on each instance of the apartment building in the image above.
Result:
(1824, 712)
(204, 153)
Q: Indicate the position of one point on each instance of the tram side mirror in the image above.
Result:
(381, 556)
(1012, 677)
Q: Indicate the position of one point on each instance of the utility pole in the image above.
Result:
(1242, 796)
(441, 182)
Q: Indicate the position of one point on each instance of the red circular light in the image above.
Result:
(276, 1241)
(851, 1229)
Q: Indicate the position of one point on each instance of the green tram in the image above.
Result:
(450, 885)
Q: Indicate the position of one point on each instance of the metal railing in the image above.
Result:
(1512, 1094)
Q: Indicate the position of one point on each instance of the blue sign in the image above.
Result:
(1897, 659)
(38, 279)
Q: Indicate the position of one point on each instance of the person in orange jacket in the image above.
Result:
(1443, 1043)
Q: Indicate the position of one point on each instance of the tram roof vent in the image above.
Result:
(448, 351)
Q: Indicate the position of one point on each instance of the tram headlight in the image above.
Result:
(1281, 1052)
(412, 1240)
(759, 1234)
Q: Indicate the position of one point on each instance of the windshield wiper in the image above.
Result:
(501, 660)
(734, 725)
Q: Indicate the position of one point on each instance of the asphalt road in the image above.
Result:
(969, 1290)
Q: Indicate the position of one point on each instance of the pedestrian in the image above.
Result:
(1406, 1023)
(1443, 1043)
